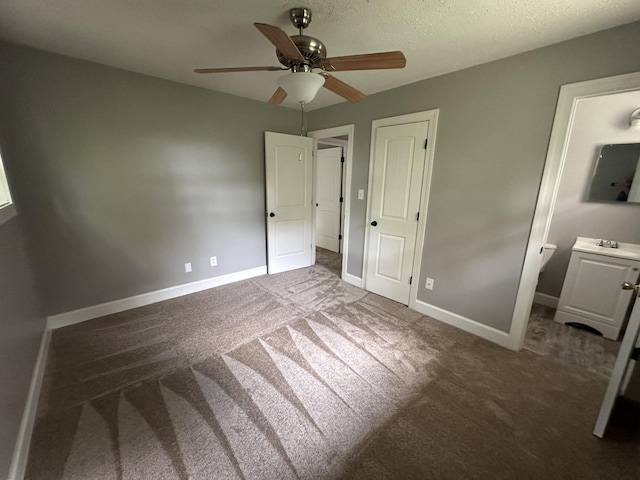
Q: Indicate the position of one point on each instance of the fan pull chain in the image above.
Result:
(303, 133)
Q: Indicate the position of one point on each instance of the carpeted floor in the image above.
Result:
(332, 261)
(570, 345)
(300, 375)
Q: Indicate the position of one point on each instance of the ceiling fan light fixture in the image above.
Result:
(301, 86)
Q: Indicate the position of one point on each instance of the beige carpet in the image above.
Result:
(300, 375)
(570, 345)
(330, 260)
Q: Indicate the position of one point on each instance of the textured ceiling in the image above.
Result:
(169, 38)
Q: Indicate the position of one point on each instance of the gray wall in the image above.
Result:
(494, 128)
(123, 178)
(22, 324)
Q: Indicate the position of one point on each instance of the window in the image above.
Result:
(7, 210)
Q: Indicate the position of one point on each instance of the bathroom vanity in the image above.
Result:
(591, 293)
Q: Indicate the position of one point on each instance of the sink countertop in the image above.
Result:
(630, 251)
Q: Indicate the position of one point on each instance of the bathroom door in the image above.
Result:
(629, 343)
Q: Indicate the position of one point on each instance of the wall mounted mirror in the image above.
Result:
(617, 174)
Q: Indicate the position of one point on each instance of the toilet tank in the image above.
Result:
(547, 252)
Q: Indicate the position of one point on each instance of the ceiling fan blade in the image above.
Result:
(238, 69)
(281, 40)
(367, 61)
(278, 96)
(346, 91)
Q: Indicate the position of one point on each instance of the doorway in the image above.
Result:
(333, 151)
(570, 96)
(555, 209)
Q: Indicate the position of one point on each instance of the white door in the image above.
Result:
(629, 341)
(399, 159)
(328, 188)
(289, 177)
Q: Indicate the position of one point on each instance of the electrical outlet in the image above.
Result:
(213, 261)
(187, 267)
(429, 284)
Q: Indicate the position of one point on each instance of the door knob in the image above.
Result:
(272, 214)
(374, 223)
(630, 286)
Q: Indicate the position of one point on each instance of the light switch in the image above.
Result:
(361, 194)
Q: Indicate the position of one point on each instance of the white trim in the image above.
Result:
(463, 323)
(430, 116)
(7, 213)
(314, 198)
(546, 300)
(96, 311)
(21, 452)
(7, 210)
(336, 142)
(335, 132)
(556, 154)
(424, 205)
(353, 280)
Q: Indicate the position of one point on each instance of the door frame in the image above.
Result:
(549, 185)
(430, 116)
(328, 133)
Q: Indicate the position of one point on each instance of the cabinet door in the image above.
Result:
(592, 292)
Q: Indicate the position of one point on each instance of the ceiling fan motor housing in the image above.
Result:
(312, 49)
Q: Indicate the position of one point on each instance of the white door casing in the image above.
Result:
(398, 166)
(289, 188)
(328, 186)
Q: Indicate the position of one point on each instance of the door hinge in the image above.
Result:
(341, 159)
(339, 237)
(417, 216)
(341, 199)
(426, 141)
(410, 280)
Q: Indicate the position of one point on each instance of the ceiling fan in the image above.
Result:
(301, 54)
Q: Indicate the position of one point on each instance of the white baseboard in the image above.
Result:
(96, 311)
(21, 452)
(463, 323)
(353, 280)
(546, 300)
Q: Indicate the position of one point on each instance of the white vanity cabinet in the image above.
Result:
(591, 293)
